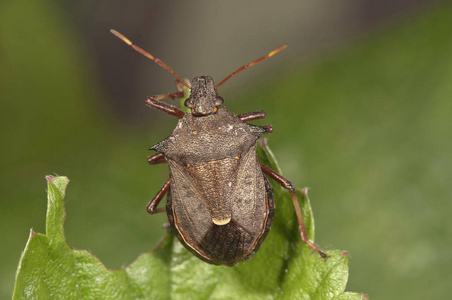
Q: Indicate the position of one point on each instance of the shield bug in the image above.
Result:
(219, 201)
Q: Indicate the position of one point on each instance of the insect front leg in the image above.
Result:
(153, 102)
(255, 115)
(285, 183)
(152, 206)
(155, 159)
(268, 129)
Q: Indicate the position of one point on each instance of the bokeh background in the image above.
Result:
(360, 102)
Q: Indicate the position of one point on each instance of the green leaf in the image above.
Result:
(182, 100)
(284, 267)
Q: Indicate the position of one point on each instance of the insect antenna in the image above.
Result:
(254, 62)
(148, 55)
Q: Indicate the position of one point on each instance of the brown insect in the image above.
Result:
(219, 201)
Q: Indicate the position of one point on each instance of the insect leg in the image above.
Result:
(255, 115)
(158, 158)
(285, 183)
(153, 102)
(152, 206)
(268, 128)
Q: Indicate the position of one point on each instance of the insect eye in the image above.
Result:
(219, 101)
(188, 103)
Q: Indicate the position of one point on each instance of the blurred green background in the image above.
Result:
(360, 103)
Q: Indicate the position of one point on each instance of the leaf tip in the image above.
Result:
(49, 179)
(263, 143)
(32, 233)
(365, 296)
(344, 254)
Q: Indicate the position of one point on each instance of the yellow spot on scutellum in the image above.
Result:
(221, 222)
